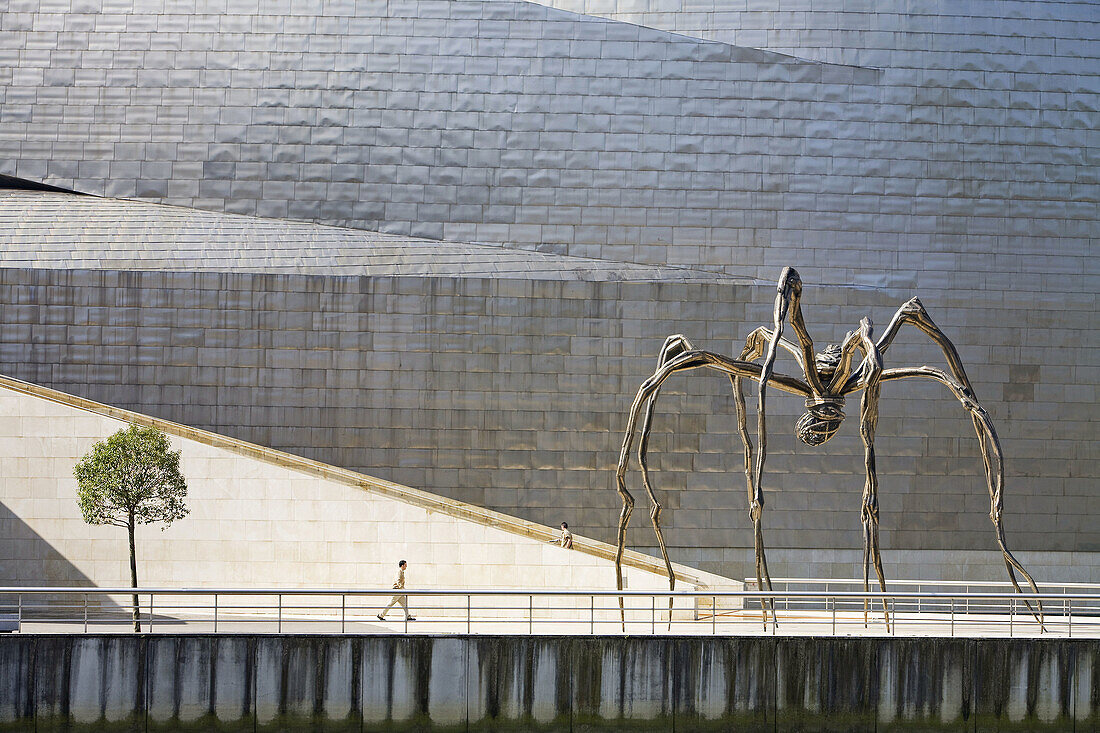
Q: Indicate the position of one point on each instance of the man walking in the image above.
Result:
(398, 584)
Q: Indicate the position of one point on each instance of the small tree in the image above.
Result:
(131, 477)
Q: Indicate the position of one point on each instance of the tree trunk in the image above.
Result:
(133, 575)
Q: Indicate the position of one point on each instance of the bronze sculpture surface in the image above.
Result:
(829, 378)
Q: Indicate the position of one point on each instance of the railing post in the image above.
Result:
(714, 615)
(19, 611)
(85, 613)
(834, 613)
(894, 616)
(531, 614)
(468, 604)
(591, 614)
(1069, 613)
(1011, 614)
(150, 613)
(653, 615)
(280, 626)
(952, 617)
(215, 613)
(343, 612)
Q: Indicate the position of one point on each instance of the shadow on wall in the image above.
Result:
(27, 559)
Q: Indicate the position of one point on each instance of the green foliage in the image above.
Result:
(131, 476)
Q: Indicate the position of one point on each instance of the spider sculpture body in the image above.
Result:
(829, 377)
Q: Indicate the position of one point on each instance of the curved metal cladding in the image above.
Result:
(970, 38)
(512, 122)
(957, 166)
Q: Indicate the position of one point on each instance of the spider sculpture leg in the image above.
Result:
(852, 343)
(687, 360)
(787, 303)
(871, 370)
(994, 463)
(755, 345)
(788, 300)
(913, 312)
(673, 346)
(756, 501)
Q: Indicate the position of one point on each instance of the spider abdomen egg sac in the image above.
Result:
(819, 423)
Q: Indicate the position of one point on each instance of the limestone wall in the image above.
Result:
(267, 683)
(263, 520)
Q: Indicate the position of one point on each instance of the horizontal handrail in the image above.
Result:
(953, 583)
(491, 610)
(754, 594)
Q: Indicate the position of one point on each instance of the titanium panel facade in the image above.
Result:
(509, 122)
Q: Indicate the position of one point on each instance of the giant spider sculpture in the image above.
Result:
(829, 378)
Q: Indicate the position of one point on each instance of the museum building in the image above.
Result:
(441, 242)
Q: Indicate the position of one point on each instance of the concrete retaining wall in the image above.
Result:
(346, 683)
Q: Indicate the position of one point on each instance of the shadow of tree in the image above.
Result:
(28, 559)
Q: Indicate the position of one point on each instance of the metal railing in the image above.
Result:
(698, 612)
(967, 588)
